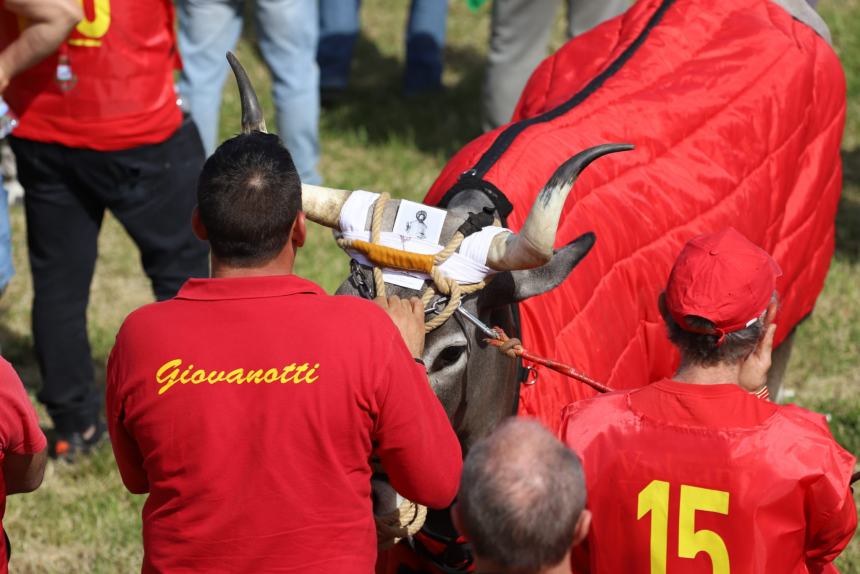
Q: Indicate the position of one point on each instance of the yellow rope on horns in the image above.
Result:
(382, 256)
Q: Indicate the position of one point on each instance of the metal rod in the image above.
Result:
(478, 323)
(483, 327)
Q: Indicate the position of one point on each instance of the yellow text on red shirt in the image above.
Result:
(172, 372)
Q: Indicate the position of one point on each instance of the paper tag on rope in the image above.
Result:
(418, 221)
(415, 223)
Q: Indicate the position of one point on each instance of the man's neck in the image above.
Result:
(712, 375)
(282, 264)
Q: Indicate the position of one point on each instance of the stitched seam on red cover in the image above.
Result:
(561, 124)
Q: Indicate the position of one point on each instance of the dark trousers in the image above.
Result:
(152, 191)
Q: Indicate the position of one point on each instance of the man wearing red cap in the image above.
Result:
(696, 474)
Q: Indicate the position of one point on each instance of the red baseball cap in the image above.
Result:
(722, 277)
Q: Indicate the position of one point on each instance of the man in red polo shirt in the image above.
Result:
(100, 130)
(23, 448)
(696, 474)
(249, 406)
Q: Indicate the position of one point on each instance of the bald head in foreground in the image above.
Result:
(522, 501)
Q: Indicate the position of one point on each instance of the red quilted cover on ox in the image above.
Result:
(737, 112)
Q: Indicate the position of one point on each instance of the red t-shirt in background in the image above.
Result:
(701, 478)
(122, 56)
(19, 432)
(248, 408)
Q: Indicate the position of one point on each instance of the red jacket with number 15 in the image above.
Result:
(119, 95)
(709, 479)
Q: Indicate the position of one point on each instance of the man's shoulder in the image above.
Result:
(584, 420)
(614, 401)
(352, 314)
(803, 422)
(145, 317)
(588, 421)
(808, 444)
(355, 307)
(10, 382)
(355, 315)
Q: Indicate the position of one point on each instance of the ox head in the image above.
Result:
(477, 385)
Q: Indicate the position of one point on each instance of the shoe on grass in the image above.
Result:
(69, 446)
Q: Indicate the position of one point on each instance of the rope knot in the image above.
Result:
(406, 520)
(512, 347)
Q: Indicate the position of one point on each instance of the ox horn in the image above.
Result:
(252, 114)
(533, 245)
(322, 205)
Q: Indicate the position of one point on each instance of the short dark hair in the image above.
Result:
(248, 196)
(705, 350)
(521, 494)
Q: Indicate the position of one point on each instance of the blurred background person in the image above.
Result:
(425, 42)
(100, 129)
(49, 22)
(287, 33)
(522, 501)
(519, 40)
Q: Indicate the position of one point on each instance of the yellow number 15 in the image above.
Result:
(654, 499)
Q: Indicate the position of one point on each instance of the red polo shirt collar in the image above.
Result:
(715, 406)
(216, 289)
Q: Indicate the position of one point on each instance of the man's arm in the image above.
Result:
(129, 460)
(829, 532)
(48, 23)
(24, 444)
(415, 441)
(831, 514)
(24, 472)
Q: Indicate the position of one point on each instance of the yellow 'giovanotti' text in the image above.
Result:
(172, 372)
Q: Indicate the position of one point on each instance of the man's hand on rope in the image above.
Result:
(408, 317)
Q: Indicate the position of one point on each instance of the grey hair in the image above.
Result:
(521, 494)
(704, 350)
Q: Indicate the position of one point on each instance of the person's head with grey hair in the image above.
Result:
(522, 500)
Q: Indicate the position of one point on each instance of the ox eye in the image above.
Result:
(448, 356)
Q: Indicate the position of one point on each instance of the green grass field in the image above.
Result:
(82, 520)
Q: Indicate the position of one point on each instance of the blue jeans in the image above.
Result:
(425, 40)
(7, 268)
(287, 32)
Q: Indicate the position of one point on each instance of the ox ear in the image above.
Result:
(515, 286)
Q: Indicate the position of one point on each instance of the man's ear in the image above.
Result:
(300, 231)
(197, 225)
(582, 526)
